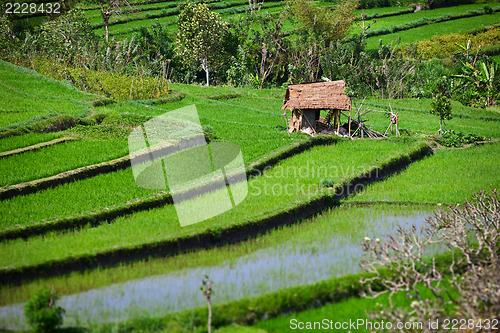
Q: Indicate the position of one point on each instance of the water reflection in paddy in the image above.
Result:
(321, 248)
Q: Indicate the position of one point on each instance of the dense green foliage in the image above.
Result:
(302, 42)
(275, 193)
(42, 312)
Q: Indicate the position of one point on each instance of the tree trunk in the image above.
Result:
(107, 31)
(106, 14)
(209, 316)
(204, 66)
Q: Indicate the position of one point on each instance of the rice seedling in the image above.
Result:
(96, 193)
(27, 95)
(415, 118)
(401, 19)
(317, 249)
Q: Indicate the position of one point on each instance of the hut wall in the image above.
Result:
(312, 116)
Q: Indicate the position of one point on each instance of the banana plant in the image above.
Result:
(483, 79)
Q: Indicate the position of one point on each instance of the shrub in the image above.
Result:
(208, 131)
(114, 85)
(42, 313)
(452, 139)
(68, 36)
(467, 289)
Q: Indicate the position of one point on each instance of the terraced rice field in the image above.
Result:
(126, 25)
(289, 232)
(320, 248)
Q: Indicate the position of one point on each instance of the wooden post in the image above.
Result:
(312, 127)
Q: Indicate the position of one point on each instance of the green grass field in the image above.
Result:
(58, 158)
(460, 172)
(400, 19)
(252, 119)
(15, 142)
(313, 237)
(228, 10)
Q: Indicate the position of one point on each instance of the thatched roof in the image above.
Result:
(319, 95)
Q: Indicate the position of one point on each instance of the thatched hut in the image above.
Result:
(307, 100)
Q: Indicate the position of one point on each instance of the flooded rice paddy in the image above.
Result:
(320, 248)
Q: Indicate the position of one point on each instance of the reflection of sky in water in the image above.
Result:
(292, 263)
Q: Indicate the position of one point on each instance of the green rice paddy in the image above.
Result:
(26, 95)
(15, 142)
(280, 255)
(435, 29)
(291, 182)
(449, 177)
(58, 158)
(400, 19)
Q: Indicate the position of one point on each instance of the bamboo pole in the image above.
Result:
(350, 110)
(337, 114)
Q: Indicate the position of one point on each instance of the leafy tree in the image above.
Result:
(330, 26)
(267, 47)
(201, 36)
(441, 107)
(109, 8)
(477, 83)
(66, 35)
(42, 313)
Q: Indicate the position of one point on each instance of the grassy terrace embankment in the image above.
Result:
(27, 96)
(148, 229)
(447, 13)
(118, 195)
(165, 13)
